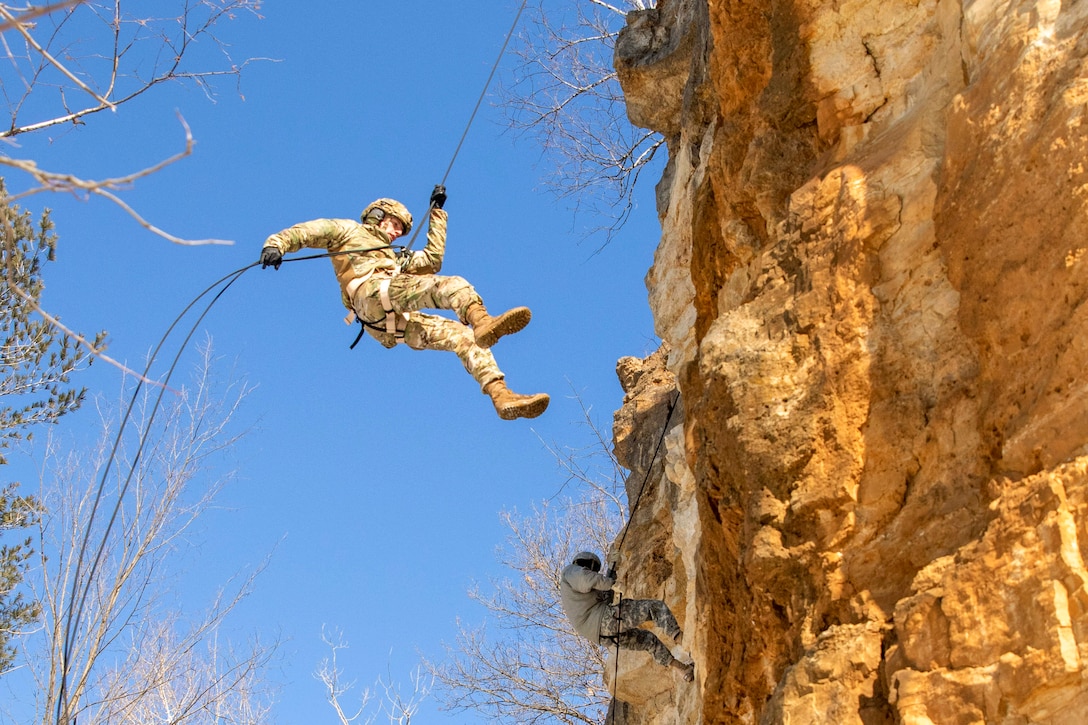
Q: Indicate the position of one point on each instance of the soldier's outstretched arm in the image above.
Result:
(316, 234)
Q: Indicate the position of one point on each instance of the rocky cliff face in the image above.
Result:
(869, 500)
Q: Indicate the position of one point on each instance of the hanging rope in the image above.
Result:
(472, 116)
(80, 592)
(645, 479)
(623, 536)
(483, 92)
(81, 586)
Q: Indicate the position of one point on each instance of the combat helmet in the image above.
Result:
(588, 559)
(377, 210)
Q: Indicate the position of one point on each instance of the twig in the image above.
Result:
(9, 273)
(18, 25)
(53, 182)
(37, 13)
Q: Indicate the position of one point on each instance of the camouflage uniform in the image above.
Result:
(621, 625)
(587, 597)
(363, 259)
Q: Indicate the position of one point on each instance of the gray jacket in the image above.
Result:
(586, 596)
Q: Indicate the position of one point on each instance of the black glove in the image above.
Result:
(271, 256)
(438, 196)
(611, 573)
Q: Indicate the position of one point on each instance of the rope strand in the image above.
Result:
(623, 536)
(82, 593)
(81, 590)
(472, 116)
(483, 92)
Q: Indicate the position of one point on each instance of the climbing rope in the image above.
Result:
(483, 91)
(81, 591)
(653, 458)
(472, 116)
(623, 536)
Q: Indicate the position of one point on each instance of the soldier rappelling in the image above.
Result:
(386, 291)
(586, 595)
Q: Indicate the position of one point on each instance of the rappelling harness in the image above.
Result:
(393, 319)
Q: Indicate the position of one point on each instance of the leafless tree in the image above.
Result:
(63, 63)
(395, 706)
(67, 61)
(533, 668)
(37, 364)
(113, 645)
(564, 92)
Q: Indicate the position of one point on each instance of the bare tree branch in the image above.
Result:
(564, 93)
(109, 47)
(79, 58)
(59, 182)
(131, 658)
(395, 706)
(23, 29)
(32, 13)
(329, 673)
(532, 667)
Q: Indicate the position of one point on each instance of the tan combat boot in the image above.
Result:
(488, 329)
(509, 405)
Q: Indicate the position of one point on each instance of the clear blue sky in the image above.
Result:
(375, 475)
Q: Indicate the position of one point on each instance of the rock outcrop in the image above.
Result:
(868, 501)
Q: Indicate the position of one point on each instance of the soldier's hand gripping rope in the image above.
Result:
(438, 196)
(271, 257)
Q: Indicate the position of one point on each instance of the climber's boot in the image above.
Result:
(488, 329)
(510, 406)
(687, 671)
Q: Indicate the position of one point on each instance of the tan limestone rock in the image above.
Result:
(868, 503)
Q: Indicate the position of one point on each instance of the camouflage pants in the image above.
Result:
(621, 626)
(409, 293)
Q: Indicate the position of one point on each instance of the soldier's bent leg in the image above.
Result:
(634, 612)
(410, 292)
(641, 639)
(626, 617)
(488, 329)
(431, 332)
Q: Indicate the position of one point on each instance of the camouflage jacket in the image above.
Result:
(361, 251)
(586, 597)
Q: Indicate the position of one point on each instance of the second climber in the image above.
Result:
(586, 596)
